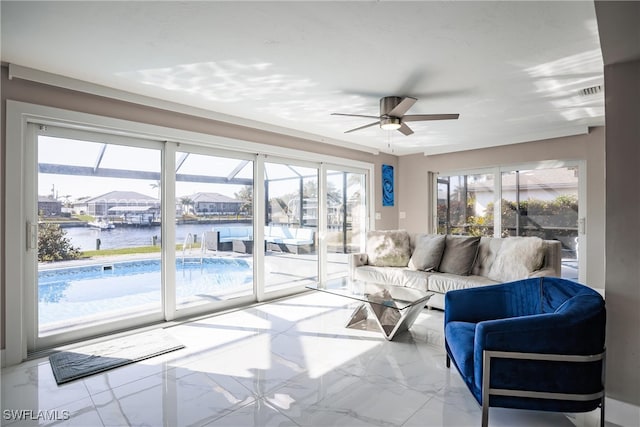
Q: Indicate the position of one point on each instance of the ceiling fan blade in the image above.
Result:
(404, 105)
(355, 115)
(363, 127)
(405, 129)
(425, 117)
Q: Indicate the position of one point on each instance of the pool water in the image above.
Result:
(66, 294)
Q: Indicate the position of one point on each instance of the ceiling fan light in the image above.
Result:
(391, 123)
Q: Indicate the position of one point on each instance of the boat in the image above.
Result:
(102, 224)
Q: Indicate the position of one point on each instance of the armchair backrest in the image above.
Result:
(581, 324)
(555, 291)
(538, 295)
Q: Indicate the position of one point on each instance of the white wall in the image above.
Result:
(623, 233)
(620, 40)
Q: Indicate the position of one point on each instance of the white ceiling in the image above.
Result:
(513, 70)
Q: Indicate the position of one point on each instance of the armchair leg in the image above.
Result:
(486, 385)
(485, 413)
(448, 361)
(602, 412)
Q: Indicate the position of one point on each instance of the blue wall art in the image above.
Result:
(387, 185)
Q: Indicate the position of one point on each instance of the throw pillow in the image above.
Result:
(459, 254)
(427, 252)
(517, 258)
(388, 248)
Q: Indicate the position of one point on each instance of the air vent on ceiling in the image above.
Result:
(593, 90)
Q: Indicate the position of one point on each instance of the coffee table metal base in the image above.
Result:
(388, 320)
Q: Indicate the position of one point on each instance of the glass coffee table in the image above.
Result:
(392, 308)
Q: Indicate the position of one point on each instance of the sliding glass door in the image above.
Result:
(290, 225)
(214, 228)
(544, 203)
(97, 228)
(541, 202)
(465, 204)
(126, 230)
(346, 207)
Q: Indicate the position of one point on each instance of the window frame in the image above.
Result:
(511, 167)
(21, 114)
(34, 341)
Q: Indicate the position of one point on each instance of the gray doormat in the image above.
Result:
(92, 359)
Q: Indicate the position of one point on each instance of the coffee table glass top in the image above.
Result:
(398, 297)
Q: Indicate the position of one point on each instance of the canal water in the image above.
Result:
(126, 237)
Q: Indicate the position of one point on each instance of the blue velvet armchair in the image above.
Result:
(534, 344)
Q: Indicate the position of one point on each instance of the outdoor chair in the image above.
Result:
(210, 240)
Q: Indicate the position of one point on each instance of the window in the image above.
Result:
(98, 210)
(291, 225)
(541, 202)
(346, 218)
(544, 203)
(148, 200)
(465, 204)
(214, 194)
(145, 209)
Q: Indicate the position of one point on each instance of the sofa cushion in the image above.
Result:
(392, 275)
(388, 248)
(304, 236)
(222, 231)
(280, 232)
(459, 254)
(245, 232)
(488, 249)
(517, 258)
(460, 340)
(427, 252)
(444, 282)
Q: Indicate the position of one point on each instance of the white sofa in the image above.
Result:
(439, 263)
(278, 237)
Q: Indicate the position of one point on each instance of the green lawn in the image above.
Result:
(127, 251)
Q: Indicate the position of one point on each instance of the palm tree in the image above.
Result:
(186, 201)
(246, 196)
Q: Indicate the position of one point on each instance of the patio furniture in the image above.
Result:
(226, 236)
(530, 344)
(279, 238)
(242, 246)
(288, 239)
(210, 240)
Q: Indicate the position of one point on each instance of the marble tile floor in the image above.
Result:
(284, 363)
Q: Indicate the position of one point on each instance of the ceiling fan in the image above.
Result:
(392, 115)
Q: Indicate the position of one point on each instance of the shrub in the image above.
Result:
(54, 245)
(542, 218)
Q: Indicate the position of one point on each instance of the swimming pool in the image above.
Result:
(67, 294)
